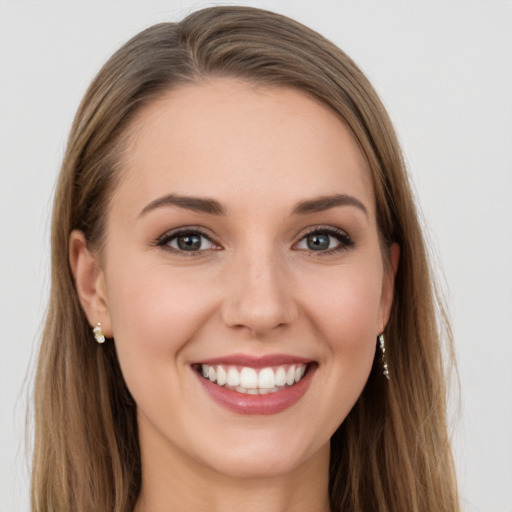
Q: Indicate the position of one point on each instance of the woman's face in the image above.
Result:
(242, 244)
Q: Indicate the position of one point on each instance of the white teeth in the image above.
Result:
(233, 377)
(290, 375)
(266, 379)
(248, 378)
(280, 376)
(254, 381)
(222, 376)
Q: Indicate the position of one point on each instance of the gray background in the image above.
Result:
(443, 69)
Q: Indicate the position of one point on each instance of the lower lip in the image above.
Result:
(270, 403)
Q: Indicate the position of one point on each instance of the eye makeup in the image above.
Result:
(193, 240)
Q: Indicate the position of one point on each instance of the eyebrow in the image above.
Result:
(196, 204)
(213, 207)
(322, 203)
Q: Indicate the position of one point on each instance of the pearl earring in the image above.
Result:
(98, 333)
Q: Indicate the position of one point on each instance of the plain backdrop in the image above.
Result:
(444, 71)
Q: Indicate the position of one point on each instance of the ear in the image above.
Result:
(89, 282)
(388, 284)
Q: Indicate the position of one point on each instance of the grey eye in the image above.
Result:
(325, 240)
(318, 241)
(188, 241)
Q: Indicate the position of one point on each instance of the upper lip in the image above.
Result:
(261, 361)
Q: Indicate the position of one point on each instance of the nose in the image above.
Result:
(259, 295)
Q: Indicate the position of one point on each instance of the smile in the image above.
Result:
(255, 385)
(253, 381)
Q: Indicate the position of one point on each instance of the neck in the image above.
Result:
(175, 483)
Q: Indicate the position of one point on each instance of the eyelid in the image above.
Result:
(345, 240)
(163, 240)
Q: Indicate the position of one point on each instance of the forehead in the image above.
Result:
(233, 140)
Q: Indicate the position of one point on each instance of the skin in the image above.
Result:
(256, 287)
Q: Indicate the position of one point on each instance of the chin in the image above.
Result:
(262, 456)
(256, 466)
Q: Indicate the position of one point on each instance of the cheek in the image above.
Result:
(345, 313)
(155, 311)
(345, 304)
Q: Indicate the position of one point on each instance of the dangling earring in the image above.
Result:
(382, 344)
(98, 333)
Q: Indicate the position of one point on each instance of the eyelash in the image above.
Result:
(168, 237)
(345, 241)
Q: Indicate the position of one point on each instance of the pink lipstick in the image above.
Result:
(256, 385)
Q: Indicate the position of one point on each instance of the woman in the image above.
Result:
(233, 225)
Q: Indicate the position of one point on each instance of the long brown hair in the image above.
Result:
(392, 453)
